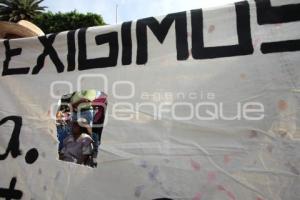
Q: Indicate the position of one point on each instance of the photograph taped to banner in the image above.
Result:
(200, 104)
(79, 122)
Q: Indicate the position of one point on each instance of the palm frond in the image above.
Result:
(14, 10)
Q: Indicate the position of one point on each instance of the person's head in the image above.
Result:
(80, 126)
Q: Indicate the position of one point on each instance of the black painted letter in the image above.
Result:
(14, 143)
(47, 42)
(110, 61)
(126, 43)
(266, 14)
(244, 46)
(160, 30)
(8, 54)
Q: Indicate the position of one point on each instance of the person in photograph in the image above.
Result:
(91, 105)
(78, 146)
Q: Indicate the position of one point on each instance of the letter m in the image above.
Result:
(160, 31)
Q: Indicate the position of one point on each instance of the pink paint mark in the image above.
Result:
(211, 176)
(221, 188)
(195, 165)
(198, 196)
(258, 198)
(227, 192)
(256, 42)
(230, 195)
(227, 159)
(211, 28)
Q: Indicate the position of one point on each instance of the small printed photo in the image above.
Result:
(79, 122)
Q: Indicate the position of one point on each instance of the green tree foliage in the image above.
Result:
(57, 22)
(15, 10)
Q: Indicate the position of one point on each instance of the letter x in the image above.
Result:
(47, 42)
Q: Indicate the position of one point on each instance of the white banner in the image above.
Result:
(202, 104)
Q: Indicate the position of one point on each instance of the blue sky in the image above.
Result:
(130, 9)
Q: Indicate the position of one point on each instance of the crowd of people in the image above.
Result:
(79, 123)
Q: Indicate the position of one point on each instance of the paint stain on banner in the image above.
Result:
(227, 159)
(153, 173)
(211, 177)
(195, 165)
(211, 28)
(282, 105)
(138, 191)
(227, 192)
(198, 196)
(243, 76)
(253, 134)
(144, 164)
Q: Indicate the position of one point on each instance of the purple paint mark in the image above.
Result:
(138, 190)
(144, 164)
(153, 174)
(195, 165)
(197, 196)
